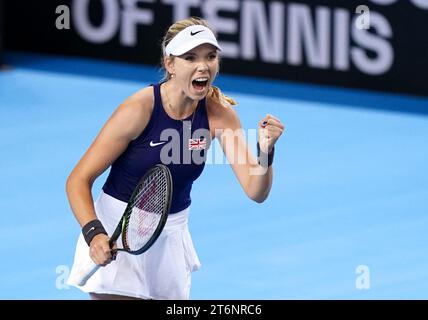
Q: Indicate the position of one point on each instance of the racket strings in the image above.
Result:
(146, 212)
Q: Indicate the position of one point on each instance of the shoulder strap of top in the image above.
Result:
(157, 96)
(155, 113)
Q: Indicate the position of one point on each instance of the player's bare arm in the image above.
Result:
(255, 180)
(125, 124)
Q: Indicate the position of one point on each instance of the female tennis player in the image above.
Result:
(171, 123)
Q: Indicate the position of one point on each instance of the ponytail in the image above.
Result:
(218, 96)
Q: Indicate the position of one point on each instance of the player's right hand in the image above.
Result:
(100, 250)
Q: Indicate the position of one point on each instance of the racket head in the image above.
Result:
(147, 211)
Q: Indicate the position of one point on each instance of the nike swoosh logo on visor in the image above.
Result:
(196, 32)
(153, 144)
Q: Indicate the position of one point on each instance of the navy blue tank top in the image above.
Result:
(180, 144)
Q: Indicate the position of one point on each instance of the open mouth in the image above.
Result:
(199, 84)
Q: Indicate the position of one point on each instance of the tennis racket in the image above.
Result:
(143, 219)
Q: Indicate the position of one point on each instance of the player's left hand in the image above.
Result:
(270, 129)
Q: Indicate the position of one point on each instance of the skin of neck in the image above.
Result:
(177, 102)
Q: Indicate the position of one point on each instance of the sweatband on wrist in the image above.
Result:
(265, 160)
(91, 229)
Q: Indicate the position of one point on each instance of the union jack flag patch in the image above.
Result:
(197, 144)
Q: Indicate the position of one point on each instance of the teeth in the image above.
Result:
(201, 79)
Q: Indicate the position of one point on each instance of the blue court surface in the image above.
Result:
(347, 217)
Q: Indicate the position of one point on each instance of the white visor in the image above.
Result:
(190, 38)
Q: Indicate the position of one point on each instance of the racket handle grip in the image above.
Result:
(83, 274)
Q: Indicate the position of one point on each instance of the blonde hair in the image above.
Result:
(172, 31)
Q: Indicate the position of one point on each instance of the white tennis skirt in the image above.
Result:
(162, 272)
